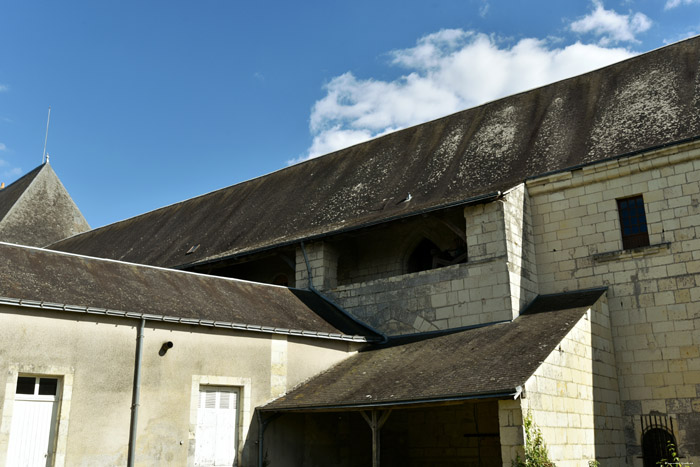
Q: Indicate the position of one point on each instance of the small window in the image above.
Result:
(25, 385)
(34, 386)
(633, 222)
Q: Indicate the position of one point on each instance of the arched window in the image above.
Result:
(281, 279)
(655, 443)
(421, 258)
(427, 255)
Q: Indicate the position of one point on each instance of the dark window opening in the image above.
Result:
(633, 222)
(655, 446)
(422, 257)
(281, 279)
(48, 386)
(25, 385)
(428, 256)
(657, 438)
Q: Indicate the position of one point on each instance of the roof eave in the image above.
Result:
(513, 393)
(16, 302)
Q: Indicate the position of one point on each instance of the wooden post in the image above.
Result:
(376, 421)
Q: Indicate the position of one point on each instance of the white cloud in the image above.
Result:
(2, 147)
(610, 26)
(484, 9)
(447, 71)
(4, 87)
(674, 3)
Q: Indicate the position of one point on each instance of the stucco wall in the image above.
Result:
(100, 351)
(654, 294)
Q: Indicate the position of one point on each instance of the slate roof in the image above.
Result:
(648, 101)
(490, 361)
(10, 194)
(56, 279)
(37, 210)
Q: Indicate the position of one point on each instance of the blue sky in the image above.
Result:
(156, 102)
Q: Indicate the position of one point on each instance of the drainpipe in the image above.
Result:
(262, 426)
(135, 395)
(309, 277)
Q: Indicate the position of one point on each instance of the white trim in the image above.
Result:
(244, 387)
(65, 377)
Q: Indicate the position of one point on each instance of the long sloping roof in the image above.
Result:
(36, 210)
(52, 280)
(645, 102)
(484, 362)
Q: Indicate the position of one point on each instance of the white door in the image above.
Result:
(33, 422)
(216, 438)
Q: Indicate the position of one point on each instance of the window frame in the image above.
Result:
(633, 217)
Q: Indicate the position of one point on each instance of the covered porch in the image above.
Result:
(464, 433)
(442, 399)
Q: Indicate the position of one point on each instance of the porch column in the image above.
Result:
(376, 420)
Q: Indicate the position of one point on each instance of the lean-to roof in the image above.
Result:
(47, 279)
(645, 102)
(491, 361)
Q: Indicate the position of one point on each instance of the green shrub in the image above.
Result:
(536, 454)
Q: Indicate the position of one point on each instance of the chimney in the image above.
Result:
(2, 185)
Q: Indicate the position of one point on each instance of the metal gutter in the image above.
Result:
(465, 202)
(508, 394)
(174, 319)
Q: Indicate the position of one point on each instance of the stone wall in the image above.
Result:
(573, 399)
(496, 283)
(654, 291)
(454, 296)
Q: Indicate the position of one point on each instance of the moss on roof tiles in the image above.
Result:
(490, 360)
(645, 102)
(47, 276)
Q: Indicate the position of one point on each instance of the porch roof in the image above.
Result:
(487, 362)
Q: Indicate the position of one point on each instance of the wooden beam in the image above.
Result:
(376, 421)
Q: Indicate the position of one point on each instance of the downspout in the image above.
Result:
(311, 287)
(262, 426)
(309, 277)
(136, 392)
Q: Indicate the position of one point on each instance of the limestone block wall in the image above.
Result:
(323, 262)
(520, 247)
(512, 433)
(454, 296)
(498, 280)
(654, 291)
(503, 230)
(573, 397)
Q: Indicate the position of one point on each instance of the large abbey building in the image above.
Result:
(410, 300)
